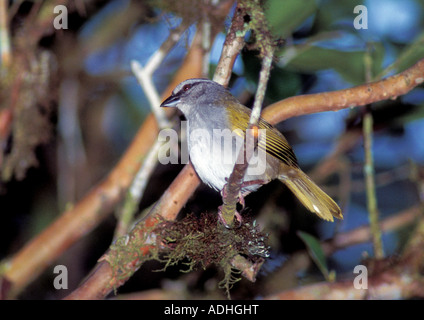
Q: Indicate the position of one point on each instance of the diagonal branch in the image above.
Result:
(79, 220)
(235, 181)
(233, 187)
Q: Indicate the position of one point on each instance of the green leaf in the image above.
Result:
(315, 251)
(349, 64)
(335, 10)
(410, 55)
(285, 16)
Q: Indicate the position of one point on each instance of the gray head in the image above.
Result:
(194, 94)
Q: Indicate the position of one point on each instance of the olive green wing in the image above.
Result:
(312, 197)
(273, 142)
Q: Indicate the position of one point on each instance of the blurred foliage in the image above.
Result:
(311, 59)
(284, 17)
(314, 248)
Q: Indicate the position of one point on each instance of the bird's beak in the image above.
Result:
(171, 101)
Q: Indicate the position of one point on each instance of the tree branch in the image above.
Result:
(79, 220)
(233, 187)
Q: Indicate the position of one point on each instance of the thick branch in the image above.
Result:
(234, 42)
(389, 88)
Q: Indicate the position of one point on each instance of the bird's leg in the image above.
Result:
(253, 183)
(236, 214)
(241, 196)
(241, 199)
(221, 218)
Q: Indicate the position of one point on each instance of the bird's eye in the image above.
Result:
(186, 87)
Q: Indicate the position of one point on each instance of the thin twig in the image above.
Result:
(260, 93)
(368, 128)
(144, 77)
(144, 74)
(236, 178)
(233, 187)
(370, 186)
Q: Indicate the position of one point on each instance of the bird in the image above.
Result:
(212, 113)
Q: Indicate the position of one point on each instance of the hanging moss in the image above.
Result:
(204, 241)
(193, 242)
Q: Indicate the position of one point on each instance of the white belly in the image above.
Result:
(209, 163)
(213, 158)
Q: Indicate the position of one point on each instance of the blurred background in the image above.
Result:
(76, 107)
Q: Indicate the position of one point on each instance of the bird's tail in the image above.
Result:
(311, 196)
